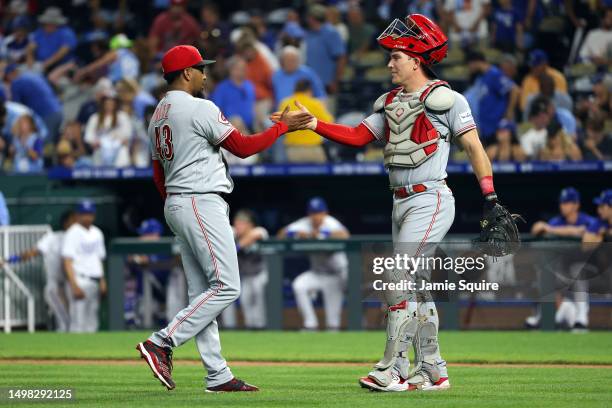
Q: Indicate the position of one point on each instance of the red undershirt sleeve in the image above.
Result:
(159, 179)
(247, 145)
(346, 135)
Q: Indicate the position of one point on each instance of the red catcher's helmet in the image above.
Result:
(418, 37)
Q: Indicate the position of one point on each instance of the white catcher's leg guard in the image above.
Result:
(429, 365)
(401, 319)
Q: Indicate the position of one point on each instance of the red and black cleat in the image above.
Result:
(234, 385)
(159, 360)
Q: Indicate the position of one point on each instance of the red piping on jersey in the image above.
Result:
(433, 220)
(159, 179)
(346, 135)
(244, 146)
(464, 130)
(214, 259)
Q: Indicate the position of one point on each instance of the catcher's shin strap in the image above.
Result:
(412, 189)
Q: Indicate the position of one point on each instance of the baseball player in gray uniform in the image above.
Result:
(417, 121)
(50, 247)
(187, 133)
(328, 271)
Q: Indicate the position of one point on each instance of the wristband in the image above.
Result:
(486, 185)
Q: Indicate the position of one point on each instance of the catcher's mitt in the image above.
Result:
(499, 234)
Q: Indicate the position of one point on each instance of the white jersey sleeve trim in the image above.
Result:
(225, 136)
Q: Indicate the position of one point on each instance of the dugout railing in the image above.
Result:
(22, 285)
(275, 251)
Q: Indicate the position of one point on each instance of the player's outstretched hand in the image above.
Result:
(296, 120)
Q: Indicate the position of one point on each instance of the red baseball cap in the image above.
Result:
(181, 57)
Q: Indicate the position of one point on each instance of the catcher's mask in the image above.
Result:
(418, 37)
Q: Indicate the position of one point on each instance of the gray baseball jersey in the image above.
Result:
(50, 246)
(451, 124)
(186, 133)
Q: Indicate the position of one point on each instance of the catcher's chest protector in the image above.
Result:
(412, 138)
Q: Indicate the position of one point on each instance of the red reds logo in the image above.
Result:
(222, 119)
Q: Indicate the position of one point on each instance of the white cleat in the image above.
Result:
(397, 384)
(440, 385)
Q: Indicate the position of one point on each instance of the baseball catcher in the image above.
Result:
(417, 121)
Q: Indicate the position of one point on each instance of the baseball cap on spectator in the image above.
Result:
(316, 205)
(569, 194)
(604, 198)
(86, 207)
(293, 30)
(240, 18)
(52, 15)
(506, 124)
(18, 7)
(120, 41)
(10, 68)
(150, 226)
(318, 12)
(537, 57)
(20, 23)
(181, 57)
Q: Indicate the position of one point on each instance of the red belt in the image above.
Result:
(402, 192)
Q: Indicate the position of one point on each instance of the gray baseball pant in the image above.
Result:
(418, 223)
(201, 225)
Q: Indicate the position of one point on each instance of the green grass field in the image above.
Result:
(107, 381)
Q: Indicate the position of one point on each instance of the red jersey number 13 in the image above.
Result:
(165, 151)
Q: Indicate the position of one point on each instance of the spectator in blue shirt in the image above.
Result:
(325, 50)
(120, 60)
(27, 148)
(53, 43)
(13, 48)
(507, 29)
(235, 96)
(495, 95)
(33, 90)
(291, 72)
(571, 222)
(4, 214)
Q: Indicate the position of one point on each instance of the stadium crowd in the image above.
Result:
(81, 81)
